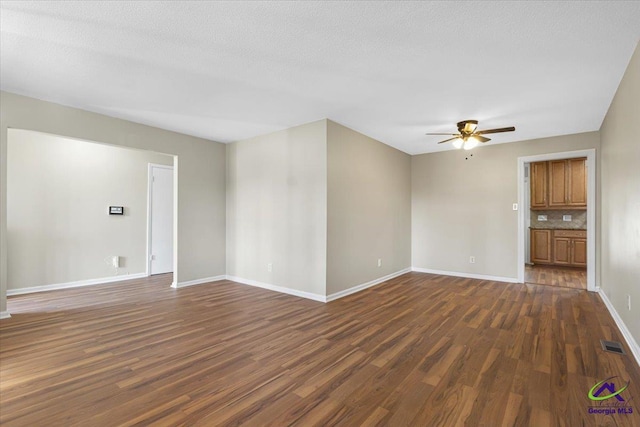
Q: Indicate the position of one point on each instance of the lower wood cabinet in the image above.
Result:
(579, 252)
(561, 250)
(559, 247)
(541, 246)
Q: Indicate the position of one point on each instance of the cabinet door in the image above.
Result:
(541, 246)
(579, 252)
(538, 182)
(562, 250)
(577, 182)
(558, 183)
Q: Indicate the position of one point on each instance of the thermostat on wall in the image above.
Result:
(116, 210)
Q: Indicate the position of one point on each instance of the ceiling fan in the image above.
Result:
(468, 136)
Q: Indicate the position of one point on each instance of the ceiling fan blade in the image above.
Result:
(441, 134)
(447, 140)
(498, 130)
(481, 138)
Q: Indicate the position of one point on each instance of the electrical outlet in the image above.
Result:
(515, 206)
(269, 267)
(115, 261)
(566, 218)
(542, 217)
(379, 262)
(472, 260)
(629, 302)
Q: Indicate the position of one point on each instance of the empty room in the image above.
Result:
(319, 213)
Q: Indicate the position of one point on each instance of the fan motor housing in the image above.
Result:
(467, 126)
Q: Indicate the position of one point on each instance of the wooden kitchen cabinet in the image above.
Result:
(568, 183)
(559, 247)
(541, 246)
(570, 248)
(579, 253)
(561, 250)
(538, 180)
(559, 184)
(577, 182)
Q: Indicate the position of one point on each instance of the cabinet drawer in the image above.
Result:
(570, 233)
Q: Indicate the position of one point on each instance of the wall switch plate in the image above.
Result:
(515, 206)
(115, 261)
(566, 218)
(472, 260)
(542, 217)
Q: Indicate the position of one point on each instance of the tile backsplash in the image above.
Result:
(554, 219)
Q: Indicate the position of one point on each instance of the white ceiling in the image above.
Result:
(392, 70)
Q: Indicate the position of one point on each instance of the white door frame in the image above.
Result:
(590, 154)
(175, 216)
(527, 219)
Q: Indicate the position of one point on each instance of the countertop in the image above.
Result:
(557, 228)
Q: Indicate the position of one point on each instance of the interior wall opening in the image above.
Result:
(77, 211)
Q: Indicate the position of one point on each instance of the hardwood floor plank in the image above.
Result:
(558, 276)
(420, 349)
(376, 418)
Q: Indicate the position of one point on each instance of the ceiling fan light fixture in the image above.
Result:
(470, 143)
(468, 136)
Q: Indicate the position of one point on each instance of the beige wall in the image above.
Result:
(620, 184)
(369, 209)
(277, 208)
(58, 192)
(200, 170)
(463, 208)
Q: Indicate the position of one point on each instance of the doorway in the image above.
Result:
(160, 219)
(572, 241)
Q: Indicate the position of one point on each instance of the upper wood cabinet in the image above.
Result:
(568, 183)
(538, 180)
(577, 182)
(559, 184)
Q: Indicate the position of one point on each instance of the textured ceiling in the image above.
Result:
(391, 70)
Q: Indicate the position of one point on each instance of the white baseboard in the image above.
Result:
(77, 284)
(281, 289)
(631, 342)
(466, 275)
(178, 285)
(364, 286)
(4, 315)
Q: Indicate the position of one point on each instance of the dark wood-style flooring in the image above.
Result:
(419, 350)
(552, 275)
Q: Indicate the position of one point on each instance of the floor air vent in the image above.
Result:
(612, 346)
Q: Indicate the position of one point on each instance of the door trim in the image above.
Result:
(149, 214)
(590, 154)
